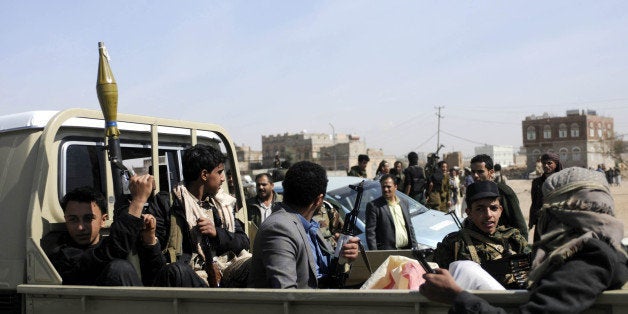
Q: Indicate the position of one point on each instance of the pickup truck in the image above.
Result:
(44, 154)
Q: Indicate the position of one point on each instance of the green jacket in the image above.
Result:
(355, 171)
(504, 242)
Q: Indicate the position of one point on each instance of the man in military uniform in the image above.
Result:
(329, 221)
(482, 170)
(438, 190)
(481, 239)
(360, 169)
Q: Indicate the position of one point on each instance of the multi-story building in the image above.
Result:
(581, 138)
(339, 153)
(503, 155)
(248, 159)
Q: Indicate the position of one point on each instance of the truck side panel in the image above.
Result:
(18, 152)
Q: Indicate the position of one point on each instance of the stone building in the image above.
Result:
(453, 159)
(248, 159)
(581, 138)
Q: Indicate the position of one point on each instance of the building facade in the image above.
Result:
(503, 155)
(581, 138)
(248, 158)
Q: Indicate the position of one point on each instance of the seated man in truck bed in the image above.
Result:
(289, 250)
(83, 257)
(481, 239)
(204, 215)
(579, 255)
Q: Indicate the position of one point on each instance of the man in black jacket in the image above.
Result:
(83, 257)
(388, 224)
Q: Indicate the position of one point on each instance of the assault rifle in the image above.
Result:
(339, 269)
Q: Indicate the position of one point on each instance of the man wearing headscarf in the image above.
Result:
(551, 164)
(579, 254)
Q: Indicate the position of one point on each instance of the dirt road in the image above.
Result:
(620, 194)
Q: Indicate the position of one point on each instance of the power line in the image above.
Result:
(431, 137)
(464, 139)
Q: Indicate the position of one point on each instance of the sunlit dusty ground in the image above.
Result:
(620, 193)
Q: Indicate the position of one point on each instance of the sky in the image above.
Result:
(376, 69)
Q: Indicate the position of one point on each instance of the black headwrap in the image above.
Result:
(555, 158)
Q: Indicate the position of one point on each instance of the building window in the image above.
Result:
(575, 153)
(536, 154)
(575, 130)
(547, 131)
(562, 130)
(531, 133)
(591, 130)
(563, 153)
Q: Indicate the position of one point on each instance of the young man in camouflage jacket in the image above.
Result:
(481, 239)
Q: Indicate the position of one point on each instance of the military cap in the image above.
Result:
(480, 190)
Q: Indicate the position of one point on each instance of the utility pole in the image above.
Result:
(333, 137)
(438, 134)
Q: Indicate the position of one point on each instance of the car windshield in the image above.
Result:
(430, 226)
(372, 190)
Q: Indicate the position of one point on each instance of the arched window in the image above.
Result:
(591, 130)
(531, 133)
(562, 130)
(563, 153)
(547, 131)
(599, 130)
(575, 154)
(575, 130)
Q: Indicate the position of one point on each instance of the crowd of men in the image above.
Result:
(298, 242)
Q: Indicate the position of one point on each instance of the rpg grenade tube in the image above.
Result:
(107, 91)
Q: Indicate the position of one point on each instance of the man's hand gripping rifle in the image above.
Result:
(339, 269)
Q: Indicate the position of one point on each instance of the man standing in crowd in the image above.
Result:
(289, 250)
(83, 257)
(388, 225)
(482, 170)
(260, 206)
(439, 193)
(551, 164)
(481, 238)
(580, 253)
(397, 172)
(414, 184)
(360, 169)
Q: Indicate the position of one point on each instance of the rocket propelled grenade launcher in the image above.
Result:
(107, 91)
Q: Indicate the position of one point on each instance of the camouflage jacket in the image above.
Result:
(355, 171)
(482, 248)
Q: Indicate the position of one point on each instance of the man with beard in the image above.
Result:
(551, 164)
(260, 206)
